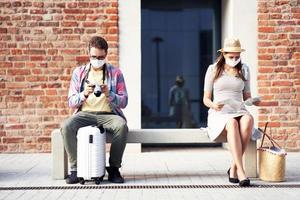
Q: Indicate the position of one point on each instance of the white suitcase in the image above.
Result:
(91, 154)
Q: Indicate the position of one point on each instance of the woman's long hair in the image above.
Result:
(220, 68)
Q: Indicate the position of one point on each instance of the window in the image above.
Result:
(179, 41)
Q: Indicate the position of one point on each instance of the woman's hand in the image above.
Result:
(217, 106)
(208, 102)
(257, 103)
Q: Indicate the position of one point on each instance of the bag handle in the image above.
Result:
(263, 131)
(269, 137)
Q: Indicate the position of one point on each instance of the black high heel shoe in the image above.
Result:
(232, 180)
(244, 183)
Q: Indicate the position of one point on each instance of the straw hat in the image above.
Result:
(231, 45)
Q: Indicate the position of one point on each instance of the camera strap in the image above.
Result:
(103, 74)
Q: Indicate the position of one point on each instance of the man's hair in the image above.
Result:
(98, 42)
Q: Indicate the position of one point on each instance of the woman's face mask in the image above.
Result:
(232, 61)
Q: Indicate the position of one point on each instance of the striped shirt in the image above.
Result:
(118, 97)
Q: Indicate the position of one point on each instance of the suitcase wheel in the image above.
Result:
(81, 181)
(98, 180)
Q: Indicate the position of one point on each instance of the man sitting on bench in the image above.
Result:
(98, 93)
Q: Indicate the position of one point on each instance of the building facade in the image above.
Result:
(42, 42)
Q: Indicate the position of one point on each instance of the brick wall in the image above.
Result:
(40, 44)
(279, 69)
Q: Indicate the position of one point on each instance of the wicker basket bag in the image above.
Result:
(271, 160)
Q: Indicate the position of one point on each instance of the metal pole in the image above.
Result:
(157, 40)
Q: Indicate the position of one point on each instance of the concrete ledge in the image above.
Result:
(59, 156)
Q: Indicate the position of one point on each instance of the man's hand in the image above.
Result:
(88, 89)
(104, 90)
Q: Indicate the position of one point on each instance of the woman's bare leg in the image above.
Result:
(245, 127)
(235, 144)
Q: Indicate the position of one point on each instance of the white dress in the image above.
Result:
(224, 88)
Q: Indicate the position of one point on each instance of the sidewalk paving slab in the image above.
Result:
(201, 167)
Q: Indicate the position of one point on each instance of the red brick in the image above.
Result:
(94, 5)
(79, 30)
(282, 83)
(51, 126)
(270, 124)
(89, 24)
(3, 148)
(18, 71)
(262, 77)
(14, 126)
(285, 69)
(70, 24)
(18, 58)
(265, 70)
(80, 17)
(44, 139)
(83, 5)
(112, 30)
(294, 36)
(263, 118)
(34, 92)
(38, 4)
(269, 103)
(112, 11)
(114, 4)
(54, 85)
(265, 57)
(266, 29)
(78, 11)
(71, 51)
(295, 10)
(82, 58)
(71, 37)
(263, 91)
(29, 147)
(296, 16)
(114, 18)
(264, 83)
(91, 31)
(38, 11)
(3, 30)
(289, 29)
(37, 58)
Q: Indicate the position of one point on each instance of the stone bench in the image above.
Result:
(60, 161)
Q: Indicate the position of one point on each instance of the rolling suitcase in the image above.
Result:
(91, 154)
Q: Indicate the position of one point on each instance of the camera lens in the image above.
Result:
(97, 91)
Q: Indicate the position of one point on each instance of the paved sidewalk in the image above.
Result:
(180, 173)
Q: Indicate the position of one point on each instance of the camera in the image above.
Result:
(97, 90)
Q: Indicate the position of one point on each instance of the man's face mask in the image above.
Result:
(96, 64)
(232, 62)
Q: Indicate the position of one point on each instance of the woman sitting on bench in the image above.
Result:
(227, 81)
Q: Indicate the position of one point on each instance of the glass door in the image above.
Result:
(179, 42)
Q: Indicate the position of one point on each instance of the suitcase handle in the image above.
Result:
(101, 129)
